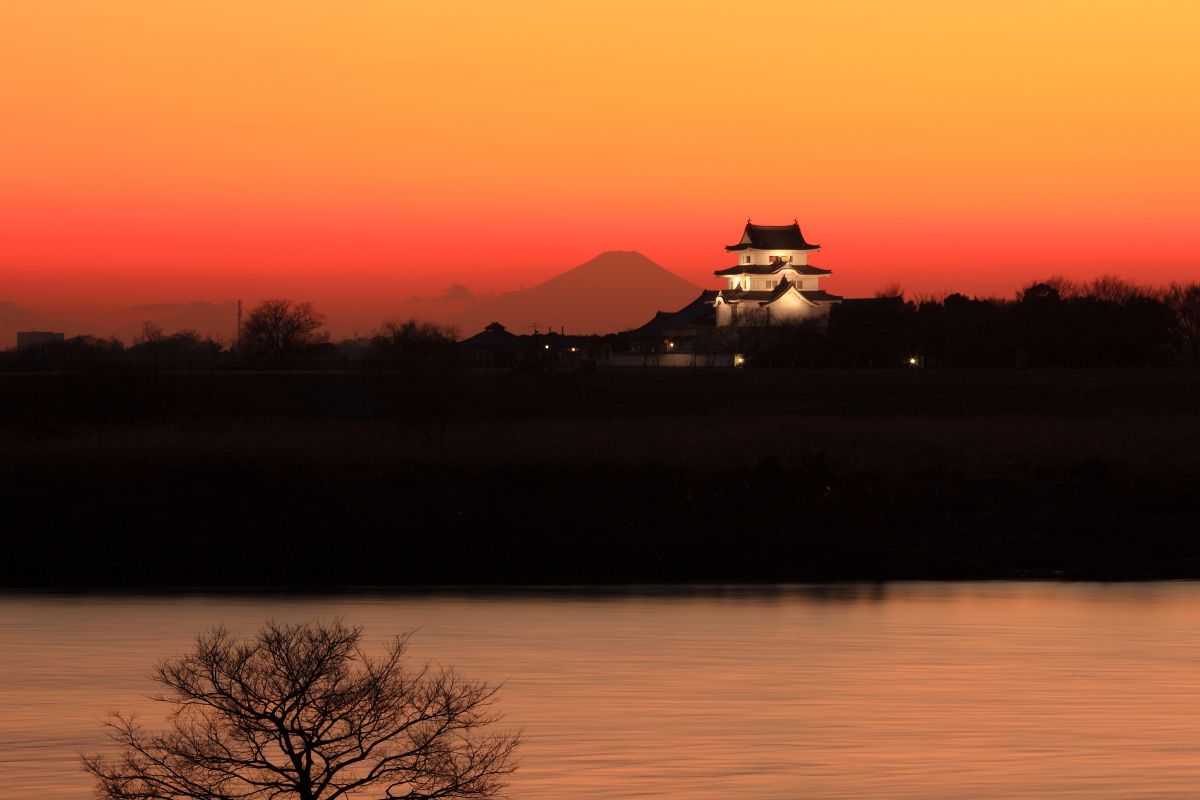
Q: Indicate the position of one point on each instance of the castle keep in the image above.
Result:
(772, 283)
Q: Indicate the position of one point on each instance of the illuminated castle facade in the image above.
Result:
(772, 283)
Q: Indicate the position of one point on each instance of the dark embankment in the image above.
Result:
(311, 480)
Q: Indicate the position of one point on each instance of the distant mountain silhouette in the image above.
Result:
(14, 315)
(209, 319)
(615, 291)
(14, 318)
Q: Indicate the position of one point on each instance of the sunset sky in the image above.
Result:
(357, 152)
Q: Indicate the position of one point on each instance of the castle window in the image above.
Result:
(745, 259)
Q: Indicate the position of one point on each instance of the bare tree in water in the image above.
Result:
(301, 711)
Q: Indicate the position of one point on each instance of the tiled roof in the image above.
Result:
(771, 269)
(819, 296)
(741, 295)
(772, 237)
(698, 312)
(785, 286)
(493, 335)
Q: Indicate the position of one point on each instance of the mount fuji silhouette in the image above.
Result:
(615, 291)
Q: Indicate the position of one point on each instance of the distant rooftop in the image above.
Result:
(772, 237)
(494, 335)
(29, 339)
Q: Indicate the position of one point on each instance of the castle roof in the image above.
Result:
(811, 295)
(770, 296)
(772, 237)
(741, 295)
(698, 312)
(771, 269)
(819, 296)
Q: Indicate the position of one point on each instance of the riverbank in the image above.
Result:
(612, 477)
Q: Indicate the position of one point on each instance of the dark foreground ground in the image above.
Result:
(327, 480)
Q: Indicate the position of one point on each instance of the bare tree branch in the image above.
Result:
(302, 711)
(278, 332)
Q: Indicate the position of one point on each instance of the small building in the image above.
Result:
(772, 283)
(31, 339)
(683, 338)
(553, 351)
(494, 346)
(686, 329)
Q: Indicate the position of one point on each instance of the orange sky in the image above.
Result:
(357, 151)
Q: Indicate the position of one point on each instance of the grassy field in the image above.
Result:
(327, 480)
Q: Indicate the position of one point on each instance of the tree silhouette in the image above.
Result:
(891, 289)
(185, 349)
(301, 711)
(278, 332)
(412, 344)
(1184, 302)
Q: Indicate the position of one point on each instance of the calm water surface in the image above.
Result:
(904, 691)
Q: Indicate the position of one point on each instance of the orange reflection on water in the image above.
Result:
(906, 691)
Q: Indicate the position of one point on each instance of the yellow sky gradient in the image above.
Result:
(949, 144)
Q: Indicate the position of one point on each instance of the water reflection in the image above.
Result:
(905, 690)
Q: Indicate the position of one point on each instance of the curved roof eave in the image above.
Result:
(731, 248)
(771, 269)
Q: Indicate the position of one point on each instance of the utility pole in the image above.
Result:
(237, 339)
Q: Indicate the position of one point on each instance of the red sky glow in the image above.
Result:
(358, 155)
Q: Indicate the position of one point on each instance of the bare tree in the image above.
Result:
(892, 289)
(399, 345)
(152, 333)
(1066, 288)
(279, 331)
(1184, 302)
(1112, 289)
(1051, 290)
(301, 711)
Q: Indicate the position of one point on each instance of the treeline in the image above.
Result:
(276, 335)
(1053, 323)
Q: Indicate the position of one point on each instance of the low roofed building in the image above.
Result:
(672, 330)
(493, 346)
(30, 339)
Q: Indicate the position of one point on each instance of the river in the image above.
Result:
(910, 690)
